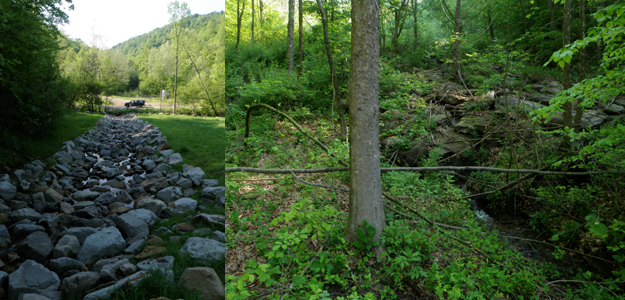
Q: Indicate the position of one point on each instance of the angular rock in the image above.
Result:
(169, 194)
(32, 277)
(23, 230)
(217, 220)
(67, 246)
(114, 183)
(32, 296)
(219, 236)
(109, 272)
(213, 192)
(145, 215)
(131, 225)
(185, 183)
(7, 191)
(153, 205)
(128, 269)
(75, 286)
(163, 263)
(135, 247)
(81, 233)
(150, 251)
(209, 183)
(85, 195)
(106, 198)
(89, 212)
(63, 157)
(124, 197)
(80, 222)
(204, 280)
(185, 205)
(107, 242)
(104, 293)
(162, 168)
(63, 264)
(204, 249)
(36, 246)
(5, 237)
(173, 159)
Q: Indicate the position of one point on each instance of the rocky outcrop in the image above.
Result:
(74, 221)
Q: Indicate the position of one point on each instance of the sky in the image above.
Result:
(119, 20)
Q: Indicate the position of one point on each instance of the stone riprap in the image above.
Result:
(74, 221)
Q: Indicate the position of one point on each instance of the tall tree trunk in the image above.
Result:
(176, 77)
(365, 194)
(457, 42)
(490, 24)
(300, 52)
(260, 18)
(239, 19)
(415, 24)
(400, 17)
(335, 82)
(566, 73)
(552, 16)
(291, 29)
(253, 16)
(582, 24)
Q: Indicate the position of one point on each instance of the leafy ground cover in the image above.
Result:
(45, 144)
(200, 141)
(286, 239)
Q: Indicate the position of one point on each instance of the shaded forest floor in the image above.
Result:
(285, 238)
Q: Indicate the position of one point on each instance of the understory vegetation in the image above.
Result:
(448, 234)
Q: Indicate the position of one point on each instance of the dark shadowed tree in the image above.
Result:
(289, 38)
(365, 193)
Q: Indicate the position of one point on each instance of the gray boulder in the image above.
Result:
(67, 246)
(131, 225)
(145, 215)
(7, 191)
(85, 195)
(219, 236)
(106, 198)
(213, 193)
(36, 246)
(32, 277)
(81, 233)
(185, 183)
(204, 249)
(23, 230)
(204, 280)
(63, 157)
(124, 197)
(173, 159)
(162, 168)
(5, 237)
(63, 264)
(163, 263)
(195, 174)
(209, 183)
(75, 286)
(105, 293)
(109, 272)
(135, 247)
(185, 204)
(153, 205)
(169, 194)
(217, 220)
(32, 296)
(107, 242)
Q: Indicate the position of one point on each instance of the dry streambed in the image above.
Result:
(73, 224)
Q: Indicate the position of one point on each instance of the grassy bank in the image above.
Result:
(47, 143)
(200, 141)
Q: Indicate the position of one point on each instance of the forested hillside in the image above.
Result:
(500, 138)
(206, 25)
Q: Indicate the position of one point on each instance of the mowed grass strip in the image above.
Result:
(200, 141)
(44, 145)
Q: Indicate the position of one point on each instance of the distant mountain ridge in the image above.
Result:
(159, 36)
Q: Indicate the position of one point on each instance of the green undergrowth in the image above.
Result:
(294, 233)
(45, 144)
(200, 141)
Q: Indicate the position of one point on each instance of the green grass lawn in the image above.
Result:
(200, 141)
(47, 143)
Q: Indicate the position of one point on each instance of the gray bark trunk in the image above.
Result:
(566, 72)
(365, 196)
(335, 82)
(300, 52)
(457, 41)
(291, 29)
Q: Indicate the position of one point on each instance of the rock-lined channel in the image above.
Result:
(71, 224)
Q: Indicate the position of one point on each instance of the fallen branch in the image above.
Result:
(420, 169)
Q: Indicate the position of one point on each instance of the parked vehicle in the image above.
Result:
(139, 103)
